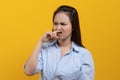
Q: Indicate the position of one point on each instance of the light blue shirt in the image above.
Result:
(76, 64)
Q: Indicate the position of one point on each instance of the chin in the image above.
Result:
(59, 39)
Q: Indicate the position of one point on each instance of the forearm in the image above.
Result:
(32, 61)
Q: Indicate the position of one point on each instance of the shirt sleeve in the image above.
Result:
(39, 63)
(87, 69)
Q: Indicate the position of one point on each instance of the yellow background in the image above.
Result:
(22, 23)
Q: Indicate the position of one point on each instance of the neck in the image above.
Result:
(65, 43)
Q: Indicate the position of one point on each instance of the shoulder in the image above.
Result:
(86, 56)
(82, 51)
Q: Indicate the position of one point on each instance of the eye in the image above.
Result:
(63, 24)
(55, 23)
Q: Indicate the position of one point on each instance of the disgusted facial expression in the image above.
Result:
(63, 25)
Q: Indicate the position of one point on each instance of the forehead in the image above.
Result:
(61, 17)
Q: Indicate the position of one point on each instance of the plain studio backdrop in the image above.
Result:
(23, 22)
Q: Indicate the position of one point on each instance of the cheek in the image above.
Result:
(69, 29)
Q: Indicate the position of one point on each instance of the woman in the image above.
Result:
(60, 54)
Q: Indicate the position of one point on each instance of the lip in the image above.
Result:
(59, 33)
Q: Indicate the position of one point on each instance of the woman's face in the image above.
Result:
(62, 23)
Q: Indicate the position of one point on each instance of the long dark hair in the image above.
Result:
(73, 16)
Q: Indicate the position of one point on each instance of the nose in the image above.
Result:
(59, 27)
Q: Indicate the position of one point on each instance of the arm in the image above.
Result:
(32, 61)
(31, 64)
(87, 70)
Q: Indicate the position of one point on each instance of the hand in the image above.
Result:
(50, 36)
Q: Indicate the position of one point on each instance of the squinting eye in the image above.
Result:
(56, 23)
(63, 24)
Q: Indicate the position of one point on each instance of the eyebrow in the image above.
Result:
(60, 22)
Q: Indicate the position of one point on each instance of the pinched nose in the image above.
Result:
(59, 29)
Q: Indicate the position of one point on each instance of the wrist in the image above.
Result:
(41, 41)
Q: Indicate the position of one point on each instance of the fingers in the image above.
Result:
(52, 35)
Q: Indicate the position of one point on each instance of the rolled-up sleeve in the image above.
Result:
(39, 63)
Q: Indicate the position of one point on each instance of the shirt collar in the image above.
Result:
(53, 43)
(75, 47)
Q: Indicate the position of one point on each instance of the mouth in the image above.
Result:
(59, 33)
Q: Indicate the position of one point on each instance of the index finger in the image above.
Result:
(57, 31)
